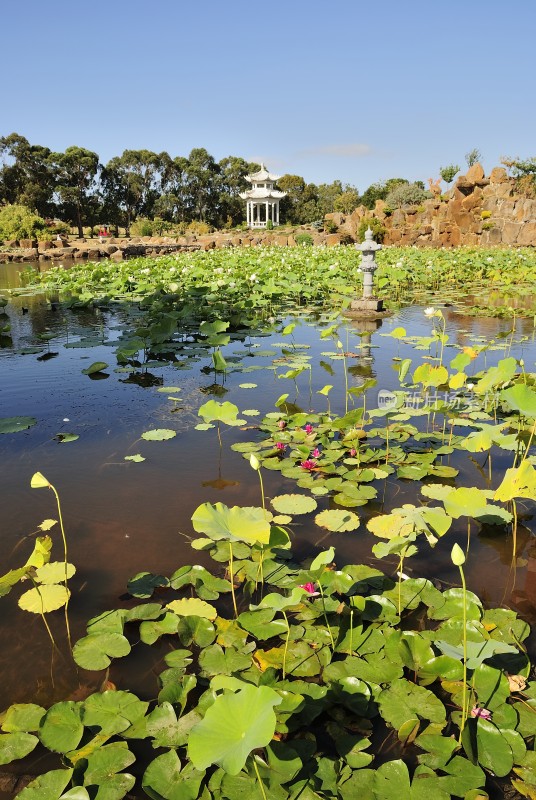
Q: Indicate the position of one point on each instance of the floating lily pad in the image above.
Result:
(158, 435)
(192, 607)
(294, 504)
(16, 424)
(136, 458)
(248, 385)
(169, 389)
(66, 437)
(43, 599)
(97, 366)
(337, 521)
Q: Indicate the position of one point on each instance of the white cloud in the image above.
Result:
(352, 150)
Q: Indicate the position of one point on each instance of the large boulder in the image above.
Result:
(527, 234)
(498, 175)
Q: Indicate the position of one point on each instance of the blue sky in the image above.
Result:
(350, 90)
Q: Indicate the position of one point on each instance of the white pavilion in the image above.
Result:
(262, 200)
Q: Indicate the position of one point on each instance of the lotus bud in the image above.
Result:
(457, 556)
(254, 461)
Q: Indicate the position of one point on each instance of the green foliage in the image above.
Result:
(488, 226)
(303, 238)
(377, 227)
(18, 222)
(406, 195)
(485, 214)
(473, 156)
(330, 226)
(142, 227)
(199, 228)
(448, 173)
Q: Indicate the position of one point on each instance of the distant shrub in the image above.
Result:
(330, 226)
(142, 227)
(487, 226)
(318, 224)
(269, 225)
(18, 222)
(448, 173)
(421, 209)
(346, 239)
(303, 238)
(485, 214)
(378, 229)
(199, 228)
(406, 195)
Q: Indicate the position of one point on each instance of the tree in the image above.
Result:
(18, 222)
(26, 174)
(448, 173)
(131, 185)
(472, 157)
(347, 201)
(76, 170)
(379, 191)
(294, 186)
(172, 203)
(233, 171)
(203, 176)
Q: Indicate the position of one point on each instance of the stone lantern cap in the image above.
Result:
(369, 245)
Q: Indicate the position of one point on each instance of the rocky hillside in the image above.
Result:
(477, 211)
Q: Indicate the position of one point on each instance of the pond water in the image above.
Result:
(123, 517)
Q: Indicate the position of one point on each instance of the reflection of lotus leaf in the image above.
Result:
(294, 503)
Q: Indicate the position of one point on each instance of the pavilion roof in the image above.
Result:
(262, 194)
(262, 175)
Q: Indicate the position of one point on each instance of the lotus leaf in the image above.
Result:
(403, 701)
(294, 504)
(45, 598)
(16, 745)
(96, 650)
(24, 717)
(337, 521)
(54, 572)
(517, 482)
(214, 660)
(192, 607)
(16, 424)
(61, 728)
(48, 786)
(233, 726)
(137, 458)
(159, 435)
(164, 778)
(97, 366)
(113, 711)
(237, 523)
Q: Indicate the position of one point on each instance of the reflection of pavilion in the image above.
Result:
(364, 361)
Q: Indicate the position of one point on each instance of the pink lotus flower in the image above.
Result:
(281, 424)
(482, 713)
(280, 446)
(353, 452)
(316, 453)
(310, 589)
(309, 464)
(308, 428)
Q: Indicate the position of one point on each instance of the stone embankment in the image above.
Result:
(477, 211)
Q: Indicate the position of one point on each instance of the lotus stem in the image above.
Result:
(286, 646)
(66, 607)
(326, 616)
(464, 691)
(351, 631)
(231, 577)
(261, 787)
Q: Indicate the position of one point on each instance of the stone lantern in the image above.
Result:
(368, 304)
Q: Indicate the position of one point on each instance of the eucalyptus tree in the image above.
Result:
(130, 185)
(26, 174)
(203, 177)
(172, 204)
(233, 181)
(76, 171)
